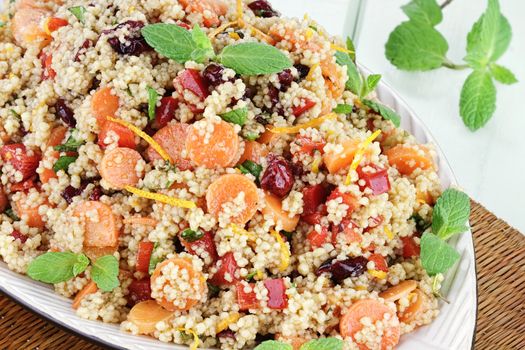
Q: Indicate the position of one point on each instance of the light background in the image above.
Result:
(490, 163)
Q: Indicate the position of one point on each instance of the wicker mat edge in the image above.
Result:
(500, 259)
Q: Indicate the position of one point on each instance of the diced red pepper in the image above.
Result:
(18, 155)
(277, 298)
(47, 71)
(54, 23)
(20, 236)
(225, 266)
(410, 247)
(317, 239)
(312, 219)
(205, 246)
(379, 261)
(305, 105)
(139, 290)
(26, 185)
(376, 179)
(347, 228)
(191, 79)
(308, 146)
(246, 300)
(144, 256)
(126, 137)
(313, 197)
(348, 199)
(166, 111)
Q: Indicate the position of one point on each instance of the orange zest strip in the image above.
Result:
(311, 124)
(339, 48)
(359, 155)
(196, 340)
(144, 136)
(224, 324)
(285, 252)
(176, 202)
(221, 29)
(240, 13)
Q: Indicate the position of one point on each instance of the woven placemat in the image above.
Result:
(500, 258)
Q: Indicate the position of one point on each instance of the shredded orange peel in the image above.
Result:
(377, 274)
(310, 124)
(221, 29)
(285, 252)
(359, 154)
(196, 340)
(312, 71)
(224, 324)
(389, 233)
(240, 13)
(240, 231)
(143, 136)
(176, 202)
(341, 49)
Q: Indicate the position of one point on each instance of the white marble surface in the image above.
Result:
(490, 163)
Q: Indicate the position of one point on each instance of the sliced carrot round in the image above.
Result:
(209, 9)
(399, 291)
(225, 190)
(418, 304)
(172, 138)
(104, 104)
(56, 136)
(27, 27)
(253, 151)
(101, 225)
(336, 161)
(119, 167)
(182, 264)
(407, 158)
(350, 322)
(274, 209)
(145, 315)
(89, 288)
(26, 211)
(213, 144)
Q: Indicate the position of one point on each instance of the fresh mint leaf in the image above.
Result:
(170, 41)
(204, 48)
(451, 213)
(71, 145)
(254, 58)
(502, 74)
(413, 46)
(78, 12)
(384, 111)
(237, 116)
(153, 261)
(190, 235)
(478, 99)
(273, 345)
(153, 96)
(213, 290)
(489, 37)
(436, 255)
(250, 276)
(370, 84)
(251, 136)
(105, 273)
(63, 163)
(343, 109)
(423, 11)
(355, 81)
(351, 47)
(10, 212)
(323, 344)
(249, 167)
(56, 267)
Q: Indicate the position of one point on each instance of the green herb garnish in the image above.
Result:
(191, 236)
(78, 12)
(343, 109)
(105, 273)
(153, 96)
(254, 58)
(170, 41)
(204, 48)
(384, 111)
(251, 136)
(153, 261)
(13, 112)
(436, 255)
(56, 267)
(237, 116)
(10, 212)
(287, 234)
(249, 167)
(213, 290)
(315, 344)
(63, 163)
(251, 275)
(71, 145)
(416, 45)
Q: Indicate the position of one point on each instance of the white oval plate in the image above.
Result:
(452, 330)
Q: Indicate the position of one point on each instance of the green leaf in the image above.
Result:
(170, 41)
(273, 345)
(254, 58)
(502, 74)
(370, 84)
(249, 167)
(153, 261)
(436, 255)
(343, 109)
(14, 114)
(416, 47)
(204, 48)
(9, 212)
(489, 37)
(190, 235)
(71, 145)
(323, 344)
(423, 11)
(384, 111)
(213, 290)
(251, 136)
(451, 213)
(63, 163)
(153, 96)
(478, 99)
(56, 267)
(78, 12)
(237, 116)
(351, 47)
(105, 273)
(355, 81)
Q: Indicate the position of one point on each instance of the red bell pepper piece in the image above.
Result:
(20, 236)
(46, 61)
(305, 105)
(277, 298)
(205, 246)
(308, 146)
(313, 197)
(126, 137)
(144, 256)
(22, 159)
(226, 270)
(375, 178)
(166, 111)
(317, 239)
(379, 261)
(246, 300)
(191, 79)
(410, 247)
(348, 199)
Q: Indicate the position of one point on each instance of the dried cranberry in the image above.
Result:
(262, 119)
(82, 50)
(70, 192)
(351, 267)
(285, 79)
(166, 111)
(139, 290)
(65, 113)
(227, 333)
(213, 74)
(278, 177)
(20, 236)
(297, 169)
(303, 70)
(134, 43)
(96, 194)
(262, 8)
(324, 267)
(273, 94)
(249, 93)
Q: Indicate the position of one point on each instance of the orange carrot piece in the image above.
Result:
(89, 288)
(27, 29)
(145, 315)
(268, 138)
(101, 225)
(119, 167)
(225, 189)
(4, 201)
(93, 253)
(253, 151)
(407, 158)
(140, 220)
(399, 291)
(30, 213)
(337, 161)
(209, 9)
(418, 304)
(172, 138)
(216, 149)
(274, 209)
(55, 138)
(104, 104)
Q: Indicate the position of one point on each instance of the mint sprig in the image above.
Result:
(254, 58)
(71, 145)
(315, 344)
(436, 255)
(237, 116)
(56, 267)
(105, 273)
(63, 163)
(416, 45)
(170, 41)
(78, 12)
(153, 97)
